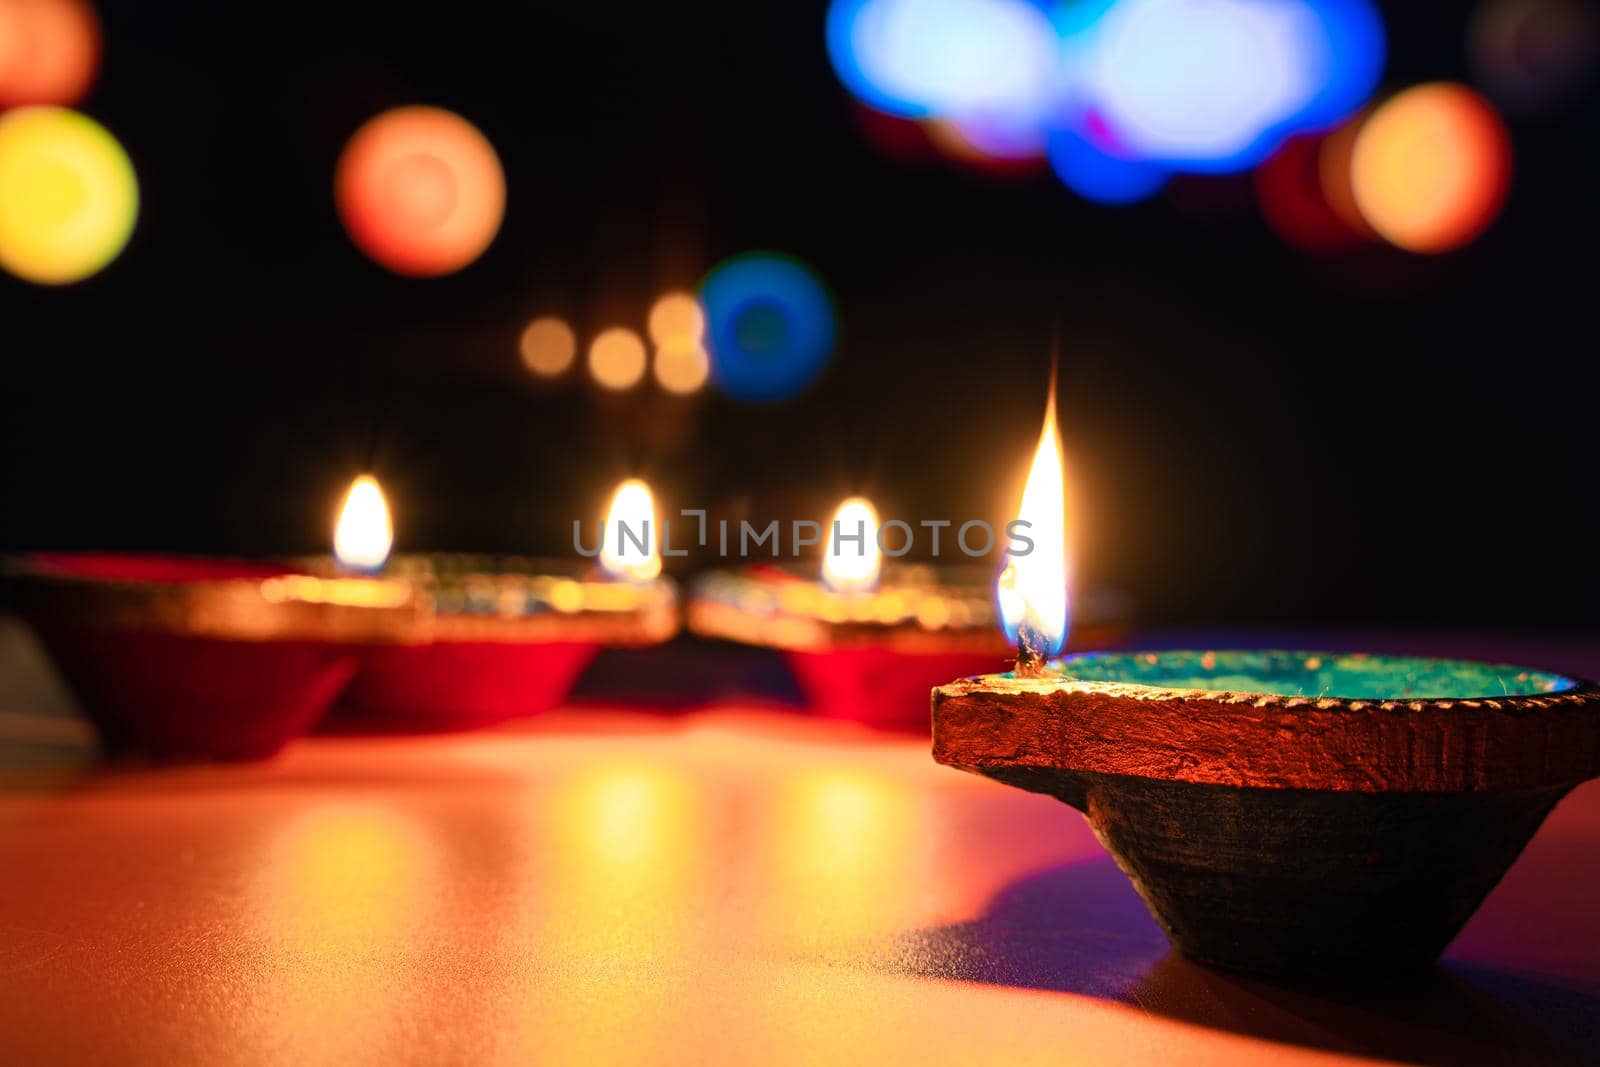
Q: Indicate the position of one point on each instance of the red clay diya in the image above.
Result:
(499, 638)
(183, 657)
(865, 655)
(1290, 813)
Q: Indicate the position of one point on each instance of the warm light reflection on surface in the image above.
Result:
(49, 51)
(420, 190)
(338, 909)
(853, 565)
(345, 877)
(627, 848)
(1033, 587)
(733, 888)
(630, 549)
(1431, 167)
(548, 346)
(68, 195)
(364, 532)
(617, 358)
(846, 844)
(354, 592)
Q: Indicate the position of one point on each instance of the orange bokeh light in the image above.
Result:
(1431, 167)
(617, 358)
(420, 191)
(548, 346)
(49, 51)
(675, 318)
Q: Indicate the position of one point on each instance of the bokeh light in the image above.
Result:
(682, 367)
(770, 326)
(1118, 93)
(1431, 167)
(676, 317)
(548, 346)
(49, 51)
(1295, 199)
(1096, 175)
(1532, 55)
(68, 195)
(944, 57)
(420, 191)
(617, 358)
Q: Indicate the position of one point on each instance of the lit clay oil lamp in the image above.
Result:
(1296, 814)
(868, 641)
(181, 657)
(497, 637)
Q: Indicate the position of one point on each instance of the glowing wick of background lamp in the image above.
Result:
(1032, 590)
(630, 521)
(364, 533)
(849, 566)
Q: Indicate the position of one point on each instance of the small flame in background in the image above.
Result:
(364, 533)
(630, 520)
(849, 567)
(1032, 590)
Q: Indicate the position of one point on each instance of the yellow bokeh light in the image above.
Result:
(676, 318)
(681, 367)
(617, 358)
(364, 532)
(548, 346)
(1431, 167)
(68, 195)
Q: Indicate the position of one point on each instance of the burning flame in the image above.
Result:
(630, 523)
(848, 566)
(364, 533)
(1032, 590)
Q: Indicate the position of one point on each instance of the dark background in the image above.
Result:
(1254, 435)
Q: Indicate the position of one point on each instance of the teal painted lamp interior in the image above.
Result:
(1351, 676)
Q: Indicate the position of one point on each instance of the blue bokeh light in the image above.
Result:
(1096, 175)
(949, 58)
(770, 326)
(1177, 86)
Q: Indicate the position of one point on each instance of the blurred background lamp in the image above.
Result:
(548, 346)
(49, 51)
(676, 317)
(1431, 167)
(770, 326)
(682, 367)
(68, 195)
(420, 191)
(617, 359)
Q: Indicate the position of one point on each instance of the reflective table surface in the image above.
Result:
(721, 885)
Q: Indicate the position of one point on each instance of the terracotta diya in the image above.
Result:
(869, 639)
(1290, 813)
(498, 637)
(183, 657)
(1285, 813)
